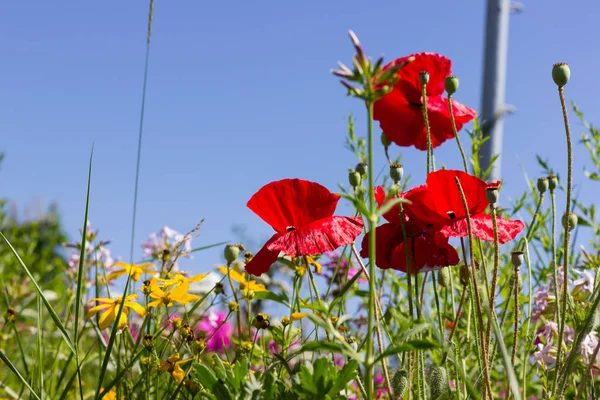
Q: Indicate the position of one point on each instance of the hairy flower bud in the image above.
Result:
(396, 172)
(361, 168)
(561, 74)
(571, 219)
(385, 141)
(438, 382)
(542, 184)
(444, 277)
(400, 382)
(451, 84)
(354, 178)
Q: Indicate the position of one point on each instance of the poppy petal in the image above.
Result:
(439, 119)
(387, 237)
(293, 203)
(429, 252)
(321, 236)
(262, 261)
(401, 121)
(483, 228)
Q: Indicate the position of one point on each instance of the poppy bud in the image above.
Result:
(572, 219)
(385, 141)
(361, 168)
(542, 184)
(552, 182)
(464, 274)
(444, 277)
(438, 382)
(354, 178)
(491, 194)
(396, 172)
(231, 252)
(451, 84)
(394, 189)
(424, 77)
(561, 74)
(517, 258)
(400, 382)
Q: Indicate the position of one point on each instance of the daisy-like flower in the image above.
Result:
(246, 285)
(301, 212)
(179, 279)
(111, 308)
(173, 365)
(178, 294)
(135, 270)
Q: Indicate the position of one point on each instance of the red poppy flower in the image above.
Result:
(438, 205)
(399, 112)
(428, 251)
(302, 214)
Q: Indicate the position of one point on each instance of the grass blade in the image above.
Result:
(53, 315)
(16, 372)
(40, 347)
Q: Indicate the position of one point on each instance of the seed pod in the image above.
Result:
(354, 178)
(552, 182)
(517, 258)
(361, 168)
(400, 382)
(231, 252)
(451, 84)
(561, 74)
(491, 194)
(542, 184)
(396, 172)
(438, 382)
(572, 219)
(424, 77)
(444, 277)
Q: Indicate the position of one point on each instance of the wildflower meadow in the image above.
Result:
(426, 290)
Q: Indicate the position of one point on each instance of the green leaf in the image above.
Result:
(389, 204)
(359, 205)
(347, 374)
(16, 372)
(205, 376)
(412, 345)
(53, 315)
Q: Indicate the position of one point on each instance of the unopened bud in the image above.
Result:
(444, 277)
(354, 178)
(552, 182)
(400, 382)
(396, 172)
(451, 84)
(231, 252)
(464, 274)
(424, 77)
(561, 74)
(571, 219)
(438, 382)
(385, 141)
(233, 306)
(542, 184)
(219, 288)
(361, 168)
(394, 189)
(261, 321)
(285, 321)
(517, 258)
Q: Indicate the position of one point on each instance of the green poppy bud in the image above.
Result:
(542, 184)
(552, 182)
(424, 77)
(231, 252)
(361, 168)
(517, 258)
(400, 382)
(444, 277)
(572, 219)
(561, 74)
(438, 382)
(354, 178)
(396, 172)
(451, 84)
(385, 141)
(394, 189)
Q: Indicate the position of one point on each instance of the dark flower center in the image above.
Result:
(451, 214)
(290, 228)
(415, 105)
(428, 226)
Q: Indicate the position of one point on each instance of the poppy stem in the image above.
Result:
(427, 128)
(494, 276)
(239, 324)
(486, 370)
(535, 215)
(462, 152)
(567, 236)
(516, 292)
(554, 255)
(455, 323)
(408, 258)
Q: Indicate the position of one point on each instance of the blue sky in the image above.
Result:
(239, 94)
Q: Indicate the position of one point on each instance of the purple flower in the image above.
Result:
(343, 265)
(218, 330)
(168, 245)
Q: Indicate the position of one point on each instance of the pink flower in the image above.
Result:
(169, 242)
(218, 330)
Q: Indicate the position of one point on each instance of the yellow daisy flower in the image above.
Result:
(135, 270)
(111, 308)
(179, 279)
(178, 294)
(173, 365)
(246, 285)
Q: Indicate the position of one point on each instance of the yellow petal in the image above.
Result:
(107, 317)
(155, 303)
(178, 374)
(115, 275)
(198, 278)
(297, 316)
(93, 311)
(139, 310)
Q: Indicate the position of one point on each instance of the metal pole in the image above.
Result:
(494, 83)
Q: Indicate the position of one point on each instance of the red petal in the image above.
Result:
(438, 203)
(401, 121)
(293, 202)
(324, 235)
(262, 261)
(438, 66)
(431, 252)
(440, 123)
(483, 228)
(387, 237)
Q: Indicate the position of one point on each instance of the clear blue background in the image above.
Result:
(240, 94)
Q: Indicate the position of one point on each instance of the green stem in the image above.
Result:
(555, 257)
(427, 128)
(239, 323)
(537, 211)
(462, 152)
(567, 236)
(494, 275)
(516, 292)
